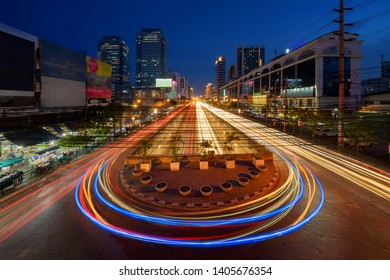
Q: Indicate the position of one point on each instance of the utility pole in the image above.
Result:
(340, 130)
(275, 108)
(285, 105)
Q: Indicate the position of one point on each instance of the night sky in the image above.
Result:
(198, 31)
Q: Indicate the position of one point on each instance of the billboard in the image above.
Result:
(17, 67)
(62, 63)
(99, 79)
(164, 83)
(62, 76)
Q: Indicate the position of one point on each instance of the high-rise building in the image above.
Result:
(249, 58)
(151, 57)
(208, 91)
(220, 70)
(184, 87)
(113, 50)
(232, 73)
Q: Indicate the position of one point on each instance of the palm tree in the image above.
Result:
(204, 146)
(145, 145)
(260, 150)
(230, 137)
(175, 141)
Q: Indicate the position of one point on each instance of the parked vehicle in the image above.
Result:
(11, 180)
(367, 143)
(258, 115)
(325, 132)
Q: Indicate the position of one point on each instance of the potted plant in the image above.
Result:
(206, 190)
(175, 162)
(262, 168)
(254, 174)
(258, 156)
(145, 180)
(243, 181)
(137, 172)
(230, 137)
(185, 190)
(161, 186)
(146, 163)
(226, 186)
(204, 146)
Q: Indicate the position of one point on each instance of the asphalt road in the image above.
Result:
(353, 224)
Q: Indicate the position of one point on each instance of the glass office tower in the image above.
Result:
(113, 50)
(248, 59)
(151, 57)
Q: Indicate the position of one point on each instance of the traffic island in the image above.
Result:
(190, 175)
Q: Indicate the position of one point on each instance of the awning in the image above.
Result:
(57, 129)
(29, 137)
(10, 161)
(71, 127)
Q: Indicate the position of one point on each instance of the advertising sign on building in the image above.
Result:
(164, 83)
(17, 67)
(99, 82)
(62, 75)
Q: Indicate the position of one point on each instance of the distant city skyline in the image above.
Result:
(200, 32)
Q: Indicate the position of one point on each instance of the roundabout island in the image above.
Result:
(128, 207)
(190, 175)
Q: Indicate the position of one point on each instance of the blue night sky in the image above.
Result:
(198, 31)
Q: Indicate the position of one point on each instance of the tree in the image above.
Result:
(174, 143)
(145, 146)
(313, 119)
(260, 150)
(293, 115)
(71, 141)
(204, 146)
(358, 134)
(230, 137)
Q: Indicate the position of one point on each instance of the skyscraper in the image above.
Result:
(220, 70)
(249, 58)
(151, 57)
(184, 87)
(113, 50)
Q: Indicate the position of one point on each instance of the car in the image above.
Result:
(366, 143)
(325, 132)
(258, 115)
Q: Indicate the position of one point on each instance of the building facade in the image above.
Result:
(305, 77)
(113, 50)
(232, 73)
(175, 76)
(385, 68)
(184, 87)
(376, 91)
(151, 57)
(249, 58)
(208, 91)
(19, 82)
(220, 73)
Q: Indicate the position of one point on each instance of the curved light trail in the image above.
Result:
(84, 201)
(249, 222)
